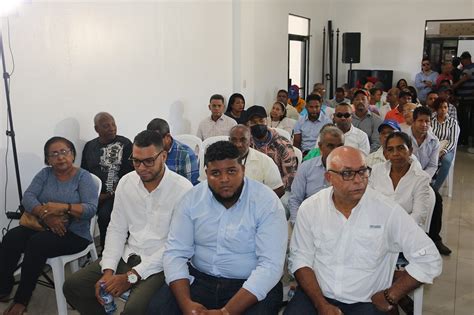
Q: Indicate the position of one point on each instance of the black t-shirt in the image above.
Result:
(108, 161)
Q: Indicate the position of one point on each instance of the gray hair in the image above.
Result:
(101, 115)
(331, 130)
(240, 126)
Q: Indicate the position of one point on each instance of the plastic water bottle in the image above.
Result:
(109, 304)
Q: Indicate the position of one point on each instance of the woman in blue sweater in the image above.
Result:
(64, 199)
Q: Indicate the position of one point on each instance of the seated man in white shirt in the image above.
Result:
(136, 236)
(217, 124)
(226, 246)
(353, 136)
(346, 242)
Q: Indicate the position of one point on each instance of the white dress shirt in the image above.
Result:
(354, 258)
(210, 128)
(147, 217)
(413, 191)
(358, 139)
(375, 157)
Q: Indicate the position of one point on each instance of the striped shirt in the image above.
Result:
(452, 112)
(466, 90)
(447, 130)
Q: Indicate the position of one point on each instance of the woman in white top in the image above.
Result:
(278, 118)
(402, 179)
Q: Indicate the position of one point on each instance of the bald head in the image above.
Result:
(345, 157)
(239, 135)
(100, 116)
(104, 125)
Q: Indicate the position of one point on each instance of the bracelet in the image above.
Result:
(224, 311)
(388, 298)
(69, 207)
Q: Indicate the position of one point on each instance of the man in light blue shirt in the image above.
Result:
(226, 246)
(309, 178)
(307, 128)
(425, 80)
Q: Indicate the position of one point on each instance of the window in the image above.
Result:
(298, 52)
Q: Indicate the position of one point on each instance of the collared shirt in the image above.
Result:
(354, 258)
(140, 221)
(375, 157)
(280, 150)
(309, 130)
(422, 88)
(291, 112)
(286, 124)
(466, 90)
(369, 124)
(358, 139)
(395, 114)
(427, 153)
(413, 191)
(384, 110)
(448, 131)
(246, 241)
(261, 168)
(210, 128)
(309, 180)
(182, 160)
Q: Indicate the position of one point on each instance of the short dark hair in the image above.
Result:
(340, 90)
(159, 125)
(361, 91)
(404, 93)
(232, 100)
(374, 90)
(217, 97)
(221, 150)
(147, 138)
(421, 110)
(438, 102)
(314, 97)
(400, 81)
(52, 140)
(399, 134)
(432, 92)
(282, 91)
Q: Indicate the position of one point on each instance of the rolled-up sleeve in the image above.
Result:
(302, 248)
(271, 241)
(180, 245)
(425, 262)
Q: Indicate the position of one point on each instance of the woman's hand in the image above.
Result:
(56, 224)
(55, 208)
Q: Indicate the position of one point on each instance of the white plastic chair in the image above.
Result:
(283, 133)
(450, 181)
(205, 144)
(299, 155)
(192, 141)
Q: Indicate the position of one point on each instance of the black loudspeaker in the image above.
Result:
(351, 47)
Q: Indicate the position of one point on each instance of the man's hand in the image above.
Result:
(429, 83)
(194, 308)
(329, 309)
(117, 284)
(210, 312)
(55, 224)
(106, 277)
(378, 299)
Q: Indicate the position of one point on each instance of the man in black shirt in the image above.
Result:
(107, 157)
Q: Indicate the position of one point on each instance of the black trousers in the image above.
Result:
(466, 120)
(37, 248)
(436, 219)
(104, 210)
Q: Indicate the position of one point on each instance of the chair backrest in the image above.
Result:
(283, 133)
(205, 144)
(94, 218)
(192, 141)
(299, 155)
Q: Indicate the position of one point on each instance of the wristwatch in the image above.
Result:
(132, 278)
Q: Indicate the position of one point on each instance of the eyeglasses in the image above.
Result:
(340, 115)
(149, 162)
(350, 174)
(56, 154)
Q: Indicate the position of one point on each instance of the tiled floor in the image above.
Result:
(451, 294)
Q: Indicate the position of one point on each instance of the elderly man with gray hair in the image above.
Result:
(345, 245)
(309, 178)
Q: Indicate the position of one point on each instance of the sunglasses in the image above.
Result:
(340, 115)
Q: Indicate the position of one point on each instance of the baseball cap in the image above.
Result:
(390, 123)
(256, 110)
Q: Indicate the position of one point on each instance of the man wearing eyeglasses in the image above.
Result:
(425, 80)
(353, 136)
(136, 236)
(345, 245)
(106, 157)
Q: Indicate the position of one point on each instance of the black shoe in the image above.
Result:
(4, 297)
(443, 249)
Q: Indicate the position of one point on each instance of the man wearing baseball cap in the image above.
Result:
(386, 127)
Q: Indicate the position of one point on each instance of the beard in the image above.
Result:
(229, 199)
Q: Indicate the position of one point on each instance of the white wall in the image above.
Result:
(392, 30)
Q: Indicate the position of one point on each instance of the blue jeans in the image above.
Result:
(443, 170)
(301, 304)
(214, 293)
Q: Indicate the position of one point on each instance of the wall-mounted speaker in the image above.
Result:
(351, 47)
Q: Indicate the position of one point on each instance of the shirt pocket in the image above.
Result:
(240, 239)
(325, 244)
(368, 248)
